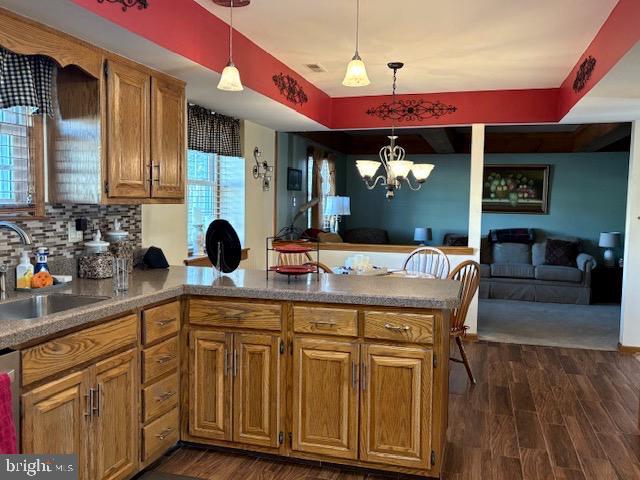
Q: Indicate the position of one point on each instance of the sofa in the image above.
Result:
(517, 270)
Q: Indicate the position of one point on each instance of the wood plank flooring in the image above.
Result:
(536, 413)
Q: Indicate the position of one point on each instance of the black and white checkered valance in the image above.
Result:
(213, 133)
(27, 81)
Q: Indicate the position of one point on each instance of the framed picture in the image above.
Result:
(515, 188)
(294, 179)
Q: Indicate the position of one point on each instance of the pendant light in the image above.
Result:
(356, 75)
(230, 78)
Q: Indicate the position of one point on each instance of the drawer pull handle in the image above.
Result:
(165, 396)
(162, 323)
(89, 400)
(397, 328)
(164, 359)
(165, 433)
(322, 324)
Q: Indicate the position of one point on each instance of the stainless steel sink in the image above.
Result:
(41, 305)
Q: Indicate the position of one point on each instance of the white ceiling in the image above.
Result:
(446, 45)
(615, 98)
(201, 82)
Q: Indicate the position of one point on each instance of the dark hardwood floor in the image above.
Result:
(535, 413)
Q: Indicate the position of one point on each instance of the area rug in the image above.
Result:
(532, 323)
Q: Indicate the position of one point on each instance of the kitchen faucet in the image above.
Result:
(25, 238)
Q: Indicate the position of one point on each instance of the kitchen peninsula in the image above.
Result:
(343, 370)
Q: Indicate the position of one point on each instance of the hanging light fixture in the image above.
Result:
(230, 78)
(356, 75)
(397, 169)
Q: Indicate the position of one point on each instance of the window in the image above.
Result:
(215, 189)
(21, 145)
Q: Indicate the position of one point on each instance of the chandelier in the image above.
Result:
(397, 169)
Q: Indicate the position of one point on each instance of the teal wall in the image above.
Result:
(588, 195)
(442, 203)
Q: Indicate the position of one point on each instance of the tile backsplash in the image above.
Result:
(53, 234)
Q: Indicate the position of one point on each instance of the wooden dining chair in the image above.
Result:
(302, 258)
(427, 260)
(467, 273)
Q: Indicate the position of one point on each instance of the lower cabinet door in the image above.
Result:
(396, 405)
(325, 397)
(115, 412)
(210, 384)
(256, 371)
(54, 419)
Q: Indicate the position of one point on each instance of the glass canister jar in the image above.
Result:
(97, 261)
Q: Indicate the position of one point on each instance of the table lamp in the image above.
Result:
(422, 235)
(609, 241)
(334, 208)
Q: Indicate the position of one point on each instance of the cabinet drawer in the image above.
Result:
(159, 359)
(159, 397)
(325, 321)
(160, 322)
(404, 327)
(212, 313)
(159, 435)
(76, 348)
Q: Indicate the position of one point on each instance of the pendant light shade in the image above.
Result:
(356, 75)
(230, 78)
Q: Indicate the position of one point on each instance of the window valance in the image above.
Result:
(212, 132)
(28, 81)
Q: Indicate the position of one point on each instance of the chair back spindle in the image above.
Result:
(427, 260)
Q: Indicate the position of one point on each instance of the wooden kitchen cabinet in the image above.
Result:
(115, 426)
(167, 139)
(128, 131)
(396, 401)
(325, 397)
(210, 384)
(92, 413)
(255, 389)
(55, 419)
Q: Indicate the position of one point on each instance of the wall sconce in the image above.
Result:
(262, 170)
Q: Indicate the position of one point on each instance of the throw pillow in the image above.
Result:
(561, 252)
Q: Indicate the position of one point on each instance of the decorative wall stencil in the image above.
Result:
(129, 3)
(584, 73)
(411, 110)
(290, 88)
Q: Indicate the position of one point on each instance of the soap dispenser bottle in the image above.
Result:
(41, 257)
(24, 271)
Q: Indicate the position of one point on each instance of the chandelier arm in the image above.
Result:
(416, 188)
(371, 186)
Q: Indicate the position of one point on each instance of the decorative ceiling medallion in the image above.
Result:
(129, 3)
(236, 3)
(411, 110)
(584, 73)
(290, 89)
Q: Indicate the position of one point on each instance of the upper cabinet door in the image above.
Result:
(116, 417)
(167, 139)
(396, 406)
(210, 384)
(325, 397)
(255, 399)
(128, 137)
(54, 419)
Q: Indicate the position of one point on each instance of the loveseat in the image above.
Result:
(519, 270)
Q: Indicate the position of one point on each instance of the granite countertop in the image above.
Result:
(150, 286)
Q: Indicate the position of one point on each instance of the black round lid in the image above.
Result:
(221, 234)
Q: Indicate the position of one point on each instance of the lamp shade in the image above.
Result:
(610, 239)
(335, 205)
(400, 168)
(230, 79)
(367, 168)
(356, 75)
(421, 171)
(422, 234)
(345, 206)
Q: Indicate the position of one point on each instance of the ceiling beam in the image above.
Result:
(595, 137)
(439, 140)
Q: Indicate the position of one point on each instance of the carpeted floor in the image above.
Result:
(531, 323)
